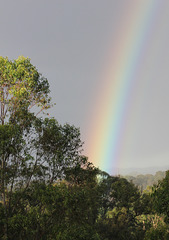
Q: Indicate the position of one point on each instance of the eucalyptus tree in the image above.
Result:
(21, 88)
(32, 150)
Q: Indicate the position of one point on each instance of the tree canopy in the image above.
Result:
(21, 88)
(48, 189)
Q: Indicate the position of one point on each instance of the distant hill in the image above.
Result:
(143, 181)
(137, 171)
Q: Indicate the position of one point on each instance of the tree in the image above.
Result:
(124, 193)
(106, 182)
(117, 219)
(39, 154)
(34, 152)
(161, 197)
(21, 88)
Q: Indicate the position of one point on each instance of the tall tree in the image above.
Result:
(21, 88)
(33, 151)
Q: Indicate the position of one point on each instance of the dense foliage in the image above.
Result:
(48, 189)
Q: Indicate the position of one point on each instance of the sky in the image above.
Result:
(72, 42)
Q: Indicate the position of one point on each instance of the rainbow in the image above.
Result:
(115, 95)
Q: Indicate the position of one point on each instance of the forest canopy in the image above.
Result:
(48, 188)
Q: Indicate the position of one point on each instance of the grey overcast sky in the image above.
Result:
(68, 41)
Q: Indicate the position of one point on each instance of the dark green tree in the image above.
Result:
(161, 197)
(117, 218)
